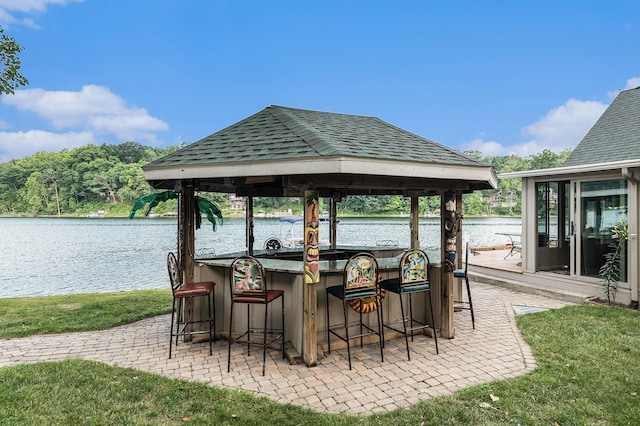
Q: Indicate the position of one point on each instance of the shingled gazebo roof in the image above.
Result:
(282, 147)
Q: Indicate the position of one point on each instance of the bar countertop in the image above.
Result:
(290, 260)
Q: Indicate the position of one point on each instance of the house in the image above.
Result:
(569, 212)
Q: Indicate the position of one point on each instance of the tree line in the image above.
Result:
(109, 177)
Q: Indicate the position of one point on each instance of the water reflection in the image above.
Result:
(65, 256)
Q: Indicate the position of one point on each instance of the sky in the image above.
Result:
(498, 76)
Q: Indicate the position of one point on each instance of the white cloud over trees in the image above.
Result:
(86, 116)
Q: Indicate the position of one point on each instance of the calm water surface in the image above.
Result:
(65, 256)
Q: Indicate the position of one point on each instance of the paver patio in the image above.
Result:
(494, 350)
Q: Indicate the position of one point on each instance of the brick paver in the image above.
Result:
(494, 350)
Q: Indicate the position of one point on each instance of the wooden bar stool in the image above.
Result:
(248, 285)
(413, 278)
(360, 282)
(182, 292)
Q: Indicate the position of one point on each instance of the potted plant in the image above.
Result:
(610, 271)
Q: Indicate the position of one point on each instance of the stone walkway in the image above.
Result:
(494, 350)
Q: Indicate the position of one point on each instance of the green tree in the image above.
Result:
(473, 204)
(36, 192)
(13, 176)
(10, 77)
(547, 159)
(50, 178)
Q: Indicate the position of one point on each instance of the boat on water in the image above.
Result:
(291, 236)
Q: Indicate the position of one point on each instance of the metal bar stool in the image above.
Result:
(463, 273)
(248, 285)
(182, 292)
(360, 283)
(413, 278)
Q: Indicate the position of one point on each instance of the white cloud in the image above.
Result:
(564, 126)
(91, 114)
(488, 148)
(632, 83)
(9, 8)
(561, 128)
(94, 108)
(21, 144)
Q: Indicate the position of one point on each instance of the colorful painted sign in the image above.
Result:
(311, 238)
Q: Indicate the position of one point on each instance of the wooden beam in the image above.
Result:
(415, 223)
(249, 225)
(311, 278)
(459, 248)
(447, 214)
(188, 239)
(333, 221)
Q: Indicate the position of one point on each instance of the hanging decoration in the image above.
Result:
(450, 230)
(202, 206)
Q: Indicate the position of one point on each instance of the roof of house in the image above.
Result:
(615, 136)
(295, 147)
(277, 133)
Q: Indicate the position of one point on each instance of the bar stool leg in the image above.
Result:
(380, 327)
(404, 325)
(230, 337)
(282, 301)
(473, 320)
(210, 327)
(346, 330)
(435, 334)
(264, 338)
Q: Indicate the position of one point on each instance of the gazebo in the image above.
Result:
(285, 152)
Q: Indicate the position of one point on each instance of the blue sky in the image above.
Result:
(497, 76)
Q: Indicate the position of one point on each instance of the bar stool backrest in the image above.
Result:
(175, 277)
(360, 273)
(247, 277)
(414, 267)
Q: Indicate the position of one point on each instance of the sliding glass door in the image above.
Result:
(602, 205)
(553, 233)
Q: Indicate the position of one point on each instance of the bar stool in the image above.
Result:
(360, 282)
(248, 285)
(183, 291)
(413, 278)
(463, 273)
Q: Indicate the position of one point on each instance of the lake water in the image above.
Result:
(50, 256)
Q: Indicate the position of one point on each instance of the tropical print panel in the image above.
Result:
(247, 276)
(414, 267)
(360, 272)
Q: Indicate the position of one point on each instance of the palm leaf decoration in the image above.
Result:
(153, 199)
(210, 209)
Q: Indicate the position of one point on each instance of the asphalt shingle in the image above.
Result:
(615, 136)
(280, 133)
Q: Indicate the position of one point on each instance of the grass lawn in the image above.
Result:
(588, 373)
(26, 316)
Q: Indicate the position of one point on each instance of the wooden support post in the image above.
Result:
(459, 248)
(415, 222)
(447, 209)
(249, 225)
(333, 221)
(186, 246)
(311, 255)
(189, 232)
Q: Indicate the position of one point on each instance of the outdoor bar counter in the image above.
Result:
(285, 271)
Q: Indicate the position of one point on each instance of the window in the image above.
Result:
(603, 205)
